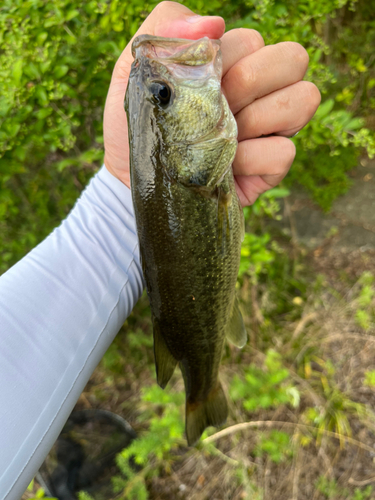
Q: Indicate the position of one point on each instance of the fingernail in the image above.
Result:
(193, 19)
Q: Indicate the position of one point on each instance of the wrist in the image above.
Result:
(122, 175)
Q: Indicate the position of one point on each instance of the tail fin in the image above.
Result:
(199, 415)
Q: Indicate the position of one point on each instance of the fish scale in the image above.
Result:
(182, 139)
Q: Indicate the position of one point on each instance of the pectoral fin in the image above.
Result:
(164, 361)
(235, 330)
(199, 415)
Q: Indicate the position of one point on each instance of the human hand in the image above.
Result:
(262, 85)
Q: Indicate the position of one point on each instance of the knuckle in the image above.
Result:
(249, 123)
(251, 39)
(298, 53)
(257, 40)
(243, 75)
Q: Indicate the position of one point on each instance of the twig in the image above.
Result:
(361, 483)
(69, 31)
(302, 323)
(270, 423)
(331, 338)
(296, 467)
(218, 453)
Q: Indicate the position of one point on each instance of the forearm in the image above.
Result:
(60, 308)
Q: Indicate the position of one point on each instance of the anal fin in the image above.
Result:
(164, 361)
(235, 329)
(202, 414)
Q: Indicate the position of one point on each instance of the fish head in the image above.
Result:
(181, 82)
(177, 112)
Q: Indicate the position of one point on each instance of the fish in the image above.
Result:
(190, 224)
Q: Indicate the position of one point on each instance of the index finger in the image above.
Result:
(237, 44)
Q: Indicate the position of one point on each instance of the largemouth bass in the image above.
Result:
(183, 139)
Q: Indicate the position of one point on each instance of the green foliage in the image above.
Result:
(264, 387)
(254, 254)
(365, 494)
(258, 251)
(334, 416)
(370, 378)
(365, 303)
(39, 493)
(275, 444)
(56, 62)
(326, 149)
(151, 452)
(331, 490)
(83, 495)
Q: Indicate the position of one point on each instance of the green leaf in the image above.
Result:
(355, 124)
(41, 95)
(71, 14)
(44, 66)
(325, 108)
(61, 71)
(39, 493)
(17, 71)
(276, 193)
(317, 55)
(13, 128)
(32, 71)
(43, 113)
(42, 37)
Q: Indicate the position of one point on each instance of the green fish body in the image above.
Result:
(182, 139)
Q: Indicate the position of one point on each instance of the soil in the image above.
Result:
(348, 227)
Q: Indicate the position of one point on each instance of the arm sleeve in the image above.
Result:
(60, 308)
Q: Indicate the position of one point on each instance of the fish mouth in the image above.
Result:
(178, 50)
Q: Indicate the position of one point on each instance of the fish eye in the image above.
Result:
(161, 92)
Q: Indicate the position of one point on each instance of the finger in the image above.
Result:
(260, 164)
(283, 112)
(237, 44)
(266, 70)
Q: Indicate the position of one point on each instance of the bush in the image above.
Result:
(57, 59)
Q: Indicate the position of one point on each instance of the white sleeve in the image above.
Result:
(60, 308)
